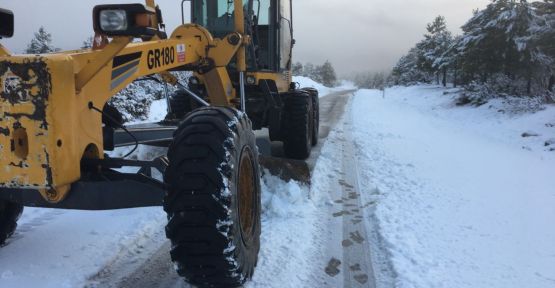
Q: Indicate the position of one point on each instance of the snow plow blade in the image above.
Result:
(286, 169)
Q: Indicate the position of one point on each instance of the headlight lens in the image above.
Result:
(113, 20)
(251, 80)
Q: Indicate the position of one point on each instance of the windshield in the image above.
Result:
(215, 15)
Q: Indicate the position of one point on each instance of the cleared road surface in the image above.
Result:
(349, 251)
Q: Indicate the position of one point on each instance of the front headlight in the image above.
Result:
(251, 80)
(113, 20)
(124, 20)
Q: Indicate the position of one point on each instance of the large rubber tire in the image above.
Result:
(9, 214)
(315, 114)
(298, 125)
(213, 201)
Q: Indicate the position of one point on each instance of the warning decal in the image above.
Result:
(181, 53)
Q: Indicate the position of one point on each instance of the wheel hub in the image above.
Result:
(246, 195)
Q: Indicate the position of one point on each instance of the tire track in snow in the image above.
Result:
(359, 271)
(154, 268)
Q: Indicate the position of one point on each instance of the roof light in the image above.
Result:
(6, 23)
(124, 20)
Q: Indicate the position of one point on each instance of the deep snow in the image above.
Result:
(463, 199)
(305, 82)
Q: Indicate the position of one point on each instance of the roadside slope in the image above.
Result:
(460, 201)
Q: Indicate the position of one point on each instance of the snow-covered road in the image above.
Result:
(408, 190)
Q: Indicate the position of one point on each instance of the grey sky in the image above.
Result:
(355, 35)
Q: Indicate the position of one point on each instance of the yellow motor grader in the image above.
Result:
(57, 126)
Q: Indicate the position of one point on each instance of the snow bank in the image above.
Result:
(282, 199)
(305, 82)
(502, 119)
(463, 199)
(289, 223)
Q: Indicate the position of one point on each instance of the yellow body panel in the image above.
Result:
(4, 51)
(282, 80)
(35, 122)
(46, 124)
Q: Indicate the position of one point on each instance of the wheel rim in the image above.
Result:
(246, 194)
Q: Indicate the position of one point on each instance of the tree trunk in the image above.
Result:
(551, 83)
(529, 86)
(444, 77)
(455, 72)
(437, 78)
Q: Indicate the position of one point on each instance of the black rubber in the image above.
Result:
(298, 125)
(181, 104)
(315, 114)
(9, 214)
(208, 247)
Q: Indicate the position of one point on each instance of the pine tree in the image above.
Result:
(499, 41)
(507, 48)
(308, 70)
(436, 43)
(407, 72)
(42, 43)
(297, 69)
(545, 37)
(87, 44)
(546, 32)
(327, 74)
(368, 80)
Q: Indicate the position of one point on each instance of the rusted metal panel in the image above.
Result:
(25, 88)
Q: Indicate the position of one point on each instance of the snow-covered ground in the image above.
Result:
(463, 199)
(451, 197)
(305, 82)
(61, 248)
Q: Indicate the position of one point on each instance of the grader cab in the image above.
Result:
(56, 126)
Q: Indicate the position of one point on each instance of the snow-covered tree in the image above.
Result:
(428, 59)
(297, 69)
(324, 74)
(501, 40)
(327, 74)
(88, 43)
(431, 50)
(407, 72)
(135, 100)
(508, 48)
(545, 36)
(42, 43)
(309, 70)
(369, 80)
(546, 32)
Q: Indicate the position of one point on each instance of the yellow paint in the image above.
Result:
(51, 148)
(4, 51)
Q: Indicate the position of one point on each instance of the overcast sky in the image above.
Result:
(355, 35)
